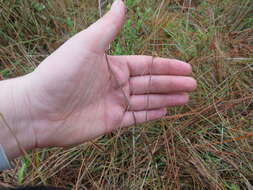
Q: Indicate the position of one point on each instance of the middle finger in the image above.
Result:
(161, 84)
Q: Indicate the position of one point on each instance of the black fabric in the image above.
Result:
(34, 188)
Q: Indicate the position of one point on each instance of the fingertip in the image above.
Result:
(190, 84)
(184, 98)
(174, 66)
(99, 35)
(187, 97)
(119, 7)
(187, 67)
(194, 84)
(156, 114)
(163, 112)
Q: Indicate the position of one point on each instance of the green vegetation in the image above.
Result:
(205, 145)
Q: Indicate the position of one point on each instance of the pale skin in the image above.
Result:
(72, 97)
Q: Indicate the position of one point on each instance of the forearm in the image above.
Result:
(15, 125)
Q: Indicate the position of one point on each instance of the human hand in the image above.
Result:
(73, 97)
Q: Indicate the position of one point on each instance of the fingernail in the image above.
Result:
(115, 4)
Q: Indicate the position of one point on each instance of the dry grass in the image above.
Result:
(205, 145)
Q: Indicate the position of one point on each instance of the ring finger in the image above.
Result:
(154, 101)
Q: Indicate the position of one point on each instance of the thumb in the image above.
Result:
(100, 34)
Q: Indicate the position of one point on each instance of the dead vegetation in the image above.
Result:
(204, 145)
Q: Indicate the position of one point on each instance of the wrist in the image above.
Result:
(16, 124)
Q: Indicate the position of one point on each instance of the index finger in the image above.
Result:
(145, 65)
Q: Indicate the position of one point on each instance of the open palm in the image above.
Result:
(77, 96)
